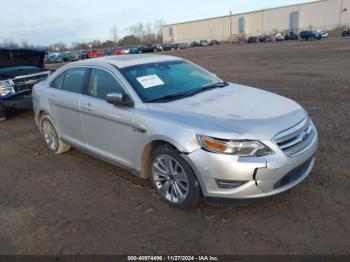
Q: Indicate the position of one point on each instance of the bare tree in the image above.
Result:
(138, 30)
(10, 43)
(158, 24)
(57, 47)
(25, 44)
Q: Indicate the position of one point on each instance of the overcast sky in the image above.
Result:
(45, 22)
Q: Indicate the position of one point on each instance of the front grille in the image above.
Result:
(297, 138)
(22, 83)
(293, 175)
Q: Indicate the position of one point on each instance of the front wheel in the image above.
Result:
(173, 178)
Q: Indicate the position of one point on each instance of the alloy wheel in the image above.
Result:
(170, 178)
(50, 135)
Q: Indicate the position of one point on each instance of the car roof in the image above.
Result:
(128, 60)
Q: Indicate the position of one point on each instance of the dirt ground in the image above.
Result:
(76, 204)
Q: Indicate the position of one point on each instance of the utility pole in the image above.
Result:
(341, 12)
(230, 25)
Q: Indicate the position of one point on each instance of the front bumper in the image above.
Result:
(263, 176)
(20, 100)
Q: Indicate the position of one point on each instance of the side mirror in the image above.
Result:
(119, 99)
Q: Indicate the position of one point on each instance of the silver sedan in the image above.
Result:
(168, 120)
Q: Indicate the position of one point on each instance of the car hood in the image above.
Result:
(233, 112)
(21, 57)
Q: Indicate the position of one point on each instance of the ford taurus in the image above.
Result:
(171, 121)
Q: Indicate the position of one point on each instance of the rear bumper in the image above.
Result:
(260, 176)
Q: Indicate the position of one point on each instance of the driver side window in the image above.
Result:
(102, 83)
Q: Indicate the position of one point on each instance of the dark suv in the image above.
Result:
(148, 48)
(291, 36)
(20, 69)
(346, 33)
(309, 35)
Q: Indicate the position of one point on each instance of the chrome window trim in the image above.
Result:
(94, 67)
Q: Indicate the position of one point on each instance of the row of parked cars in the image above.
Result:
(304, 35)
(71, 56)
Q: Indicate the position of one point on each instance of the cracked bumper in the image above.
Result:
(263, 174)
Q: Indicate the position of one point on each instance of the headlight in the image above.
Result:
(6, 88)
(234, 147)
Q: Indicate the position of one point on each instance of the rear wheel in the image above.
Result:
(51, 136)
(173, 178)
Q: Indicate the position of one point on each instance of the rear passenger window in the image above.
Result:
(72, 80)
(103, 83)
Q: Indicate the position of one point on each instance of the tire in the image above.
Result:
(52, 136)
(173, 178)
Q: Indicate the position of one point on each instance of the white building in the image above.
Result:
(324, 14)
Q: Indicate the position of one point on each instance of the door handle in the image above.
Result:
(52, 98)
(87, 107)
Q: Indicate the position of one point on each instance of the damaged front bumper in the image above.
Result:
(20, 100)
(232, 177)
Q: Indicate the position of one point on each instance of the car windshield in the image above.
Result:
(168, 80)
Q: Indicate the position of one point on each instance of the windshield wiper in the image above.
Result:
(211, 86)
(189, 93)
(171, 97)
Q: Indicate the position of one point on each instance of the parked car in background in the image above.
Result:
(168, 47)
(58, 57)
(195, 44)
(159, 48)
(184, 45)
(20, 69)
(54, 58)
(322, 33)
(192, 136)
(345, 32)
(148, 48)
(73, 56)
(309, 35)
(204, 43)
(279, 37)
(83, 54)
(214, 42)
(134, 50)
(94, 53)
(117, 51)
(125, 50)
(265, 38)
(108, 52)
(291, 36)
(252, 39)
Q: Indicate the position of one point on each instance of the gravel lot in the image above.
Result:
(76, 204)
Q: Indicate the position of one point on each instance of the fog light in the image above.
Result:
(227, 184)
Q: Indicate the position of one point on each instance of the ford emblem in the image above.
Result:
(305, 136)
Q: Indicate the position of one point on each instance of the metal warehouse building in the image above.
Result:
(324, 14)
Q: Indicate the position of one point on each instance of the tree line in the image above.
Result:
(137, 34)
